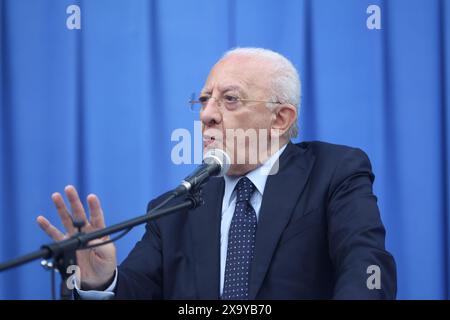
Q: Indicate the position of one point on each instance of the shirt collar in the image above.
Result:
(258, 177)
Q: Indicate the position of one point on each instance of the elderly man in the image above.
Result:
(297, 221)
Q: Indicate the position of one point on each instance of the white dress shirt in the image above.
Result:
(258, 177)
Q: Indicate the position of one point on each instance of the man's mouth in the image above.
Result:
(208, 140)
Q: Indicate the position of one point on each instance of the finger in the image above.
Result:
(63, 213)
(96, 212)
(75, 203)
(49, 229)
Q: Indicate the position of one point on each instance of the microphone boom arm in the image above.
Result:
(80, 240)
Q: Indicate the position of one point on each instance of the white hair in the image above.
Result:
(285, 86)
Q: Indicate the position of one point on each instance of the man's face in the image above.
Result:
(243, 78)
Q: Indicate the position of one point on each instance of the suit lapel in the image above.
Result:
(281, 194)
(205, 221)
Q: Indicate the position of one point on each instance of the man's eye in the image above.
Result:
(203, 99)
(231, 99)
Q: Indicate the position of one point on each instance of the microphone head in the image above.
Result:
(220, 157)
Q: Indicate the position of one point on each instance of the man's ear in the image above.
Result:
(283, 118)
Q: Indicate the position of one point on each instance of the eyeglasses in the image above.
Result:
(229, 101)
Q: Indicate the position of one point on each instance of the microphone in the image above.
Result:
(216, 162)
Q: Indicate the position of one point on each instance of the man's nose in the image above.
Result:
(211, 113)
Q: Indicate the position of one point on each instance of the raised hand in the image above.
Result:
(97, 265)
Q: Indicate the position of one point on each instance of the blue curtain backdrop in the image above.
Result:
(96, 107)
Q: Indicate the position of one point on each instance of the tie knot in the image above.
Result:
(244, 189)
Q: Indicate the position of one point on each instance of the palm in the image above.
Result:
(97, 264)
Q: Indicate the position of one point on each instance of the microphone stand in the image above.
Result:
(63, 252)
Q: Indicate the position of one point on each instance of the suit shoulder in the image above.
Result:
(330, 151)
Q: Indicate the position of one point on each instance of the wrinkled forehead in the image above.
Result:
(239, 72)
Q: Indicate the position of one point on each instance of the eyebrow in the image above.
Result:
(226, 89)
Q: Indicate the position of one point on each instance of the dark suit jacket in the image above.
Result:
(319, 230)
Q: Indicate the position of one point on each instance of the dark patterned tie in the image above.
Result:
(241, 243)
